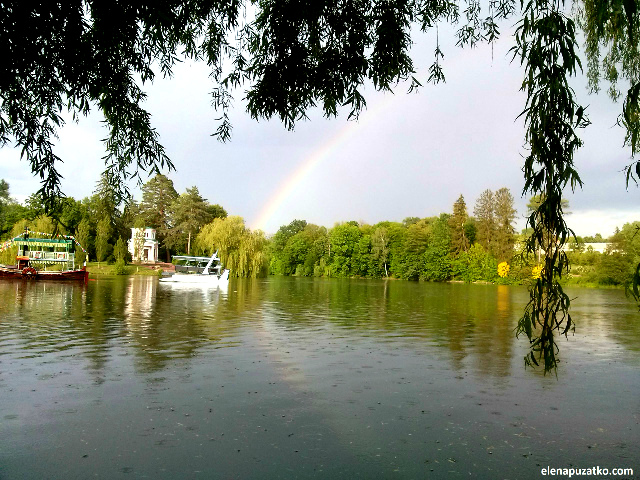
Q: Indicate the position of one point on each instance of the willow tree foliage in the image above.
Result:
(546, 47)
(288, 56)
(242, 251)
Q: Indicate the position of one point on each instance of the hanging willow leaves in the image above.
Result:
(546, 46)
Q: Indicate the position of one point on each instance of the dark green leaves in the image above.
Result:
(546, 46)
(294, 55)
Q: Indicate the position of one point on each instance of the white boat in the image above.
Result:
(192, 272)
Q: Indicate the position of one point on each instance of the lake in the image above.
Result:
(307, 378)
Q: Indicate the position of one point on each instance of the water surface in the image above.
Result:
(307, 378)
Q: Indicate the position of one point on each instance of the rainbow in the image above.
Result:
(308, 164)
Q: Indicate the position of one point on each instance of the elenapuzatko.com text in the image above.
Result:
(591, 471)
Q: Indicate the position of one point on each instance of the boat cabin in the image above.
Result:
(43, 252)
(189, 264)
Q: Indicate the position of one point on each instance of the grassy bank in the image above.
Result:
(103, 268)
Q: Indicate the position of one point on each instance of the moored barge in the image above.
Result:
(36, 255)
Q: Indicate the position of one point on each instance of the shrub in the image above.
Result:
(119, 268)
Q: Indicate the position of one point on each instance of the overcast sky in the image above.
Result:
(408, 155)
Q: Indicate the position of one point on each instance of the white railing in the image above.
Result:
(51, 256)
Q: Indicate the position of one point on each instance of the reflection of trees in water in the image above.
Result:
(29, 298)
(474, 321)
(98, 324)
(40, 309)
(493, 319)
(245, 296)
(607, 311)
(53, 317)
(96, 319)
(168, 323)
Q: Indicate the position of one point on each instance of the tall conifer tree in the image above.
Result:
(189, 212)
(157, 196)
(485, 220)
(459, 240)
(505, 216)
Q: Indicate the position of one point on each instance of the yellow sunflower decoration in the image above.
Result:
(503, 269)
(536, 272)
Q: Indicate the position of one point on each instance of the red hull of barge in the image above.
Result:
(66, 275)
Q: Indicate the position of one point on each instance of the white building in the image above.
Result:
(143, 245)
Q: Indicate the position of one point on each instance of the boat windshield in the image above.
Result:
(193, 264)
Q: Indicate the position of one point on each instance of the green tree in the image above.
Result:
(44, 224)
(318, 240)
(597, 238)
(120, 254)
(10, 210)
(189, 212)
(19, 227)
(253, 260)
(459, 240)
(280, 263)
(158, 195)
(71, 213)
(505, 215)
(103, 234)
(216, 211)
(380, 248)
(397, 247)
(13, 213)
(35, 206)
(630, 233)
(243, 252)
(437, 258)
(4, 191)
(120, 250)
(408, 221)
(303, 252)
(83, 235)
(485, 219)
(475, 264)
(4, 202)
(107, 200)
(343, 239)
(615, 268)
(416, 243)
(361, 257)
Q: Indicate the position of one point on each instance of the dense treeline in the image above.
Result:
(451, 246)
(447, 247)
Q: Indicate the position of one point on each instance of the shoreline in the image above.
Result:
(148, 270)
